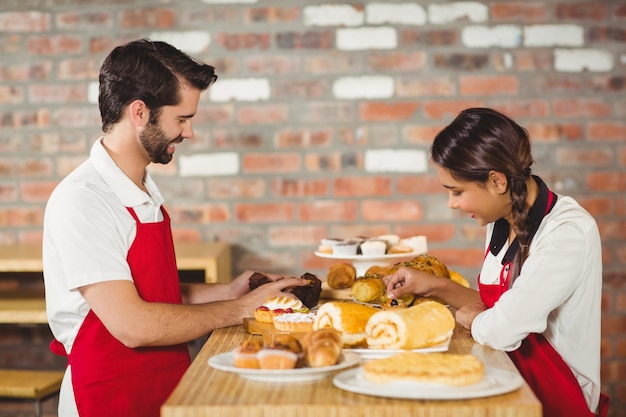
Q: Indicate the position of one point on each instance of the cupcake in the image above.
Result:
(245, 355)
(284, 352)
(416, 243)
(373, 247)
(390, 239)
(347, 248)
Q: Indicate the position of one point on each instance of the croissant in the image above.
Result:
(322, 347)
(341, 276)
(369, 288)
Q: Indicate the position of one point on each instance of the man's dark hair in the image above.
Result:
(150, 71)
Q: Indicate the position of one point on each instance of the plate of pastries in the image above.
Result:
(287, 358)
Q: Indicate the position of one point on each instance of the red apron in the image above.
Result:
(110, 379)
(545, 371)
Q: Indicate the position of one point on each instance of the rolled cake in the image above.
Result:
(348, 318)
(423, 325)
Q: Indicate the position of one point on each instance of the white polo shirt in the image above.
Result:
(558, 293)
(87, 234)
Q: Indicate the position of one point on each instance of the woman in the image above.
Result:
(540, 286)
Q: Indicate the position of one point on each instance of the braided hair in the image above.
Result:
(481, 140)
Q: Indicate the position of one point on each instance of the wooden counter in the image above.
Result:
(204, 391)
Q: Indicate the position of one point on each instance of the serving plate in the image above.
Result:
(226, 362)
(495, 381)
(362, 262)
(368, 353)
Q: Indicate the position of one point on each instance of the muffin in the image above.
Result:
(373, 247)
(347, 248)
(245, 355)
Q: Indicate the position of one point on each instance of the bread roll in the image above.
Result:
(341, 275)
(346, 317)
(423, 325)
(369, 288)
(322, 347)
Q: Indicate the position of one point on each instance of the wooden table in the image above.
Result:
(19, 307)
(204, 391)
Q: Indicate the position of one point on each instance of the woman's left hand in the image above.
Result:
(465, 315)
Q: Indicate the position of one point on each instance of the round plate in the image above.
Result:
(495, 382)
(374, 258)
(368, 353)
(225, 362)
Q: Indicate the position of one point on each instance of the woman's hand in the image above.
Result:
(465, 315)
(408, 280)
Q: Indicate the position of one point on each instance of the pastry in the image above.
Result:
(296, 321)
(308, 294)
(458, 278)
(423, 325)
(377, 270)
(369, 288)
(346, 317)
(373, 247)
(439, 368)
(403, 301)
(263, 313)
(341, 275)
(284, 352)
(245, 355)
(400, 248)
(429, 263)
(322, 347)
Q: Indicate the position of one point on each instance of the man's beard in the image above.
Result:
(156, 142)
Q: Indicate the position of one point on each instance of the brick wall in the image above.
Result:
(321, 121)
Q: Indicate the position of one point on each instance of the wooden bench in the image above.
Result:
(31, 385)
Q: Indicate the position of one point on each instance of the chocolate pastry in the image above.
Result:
(309, 294)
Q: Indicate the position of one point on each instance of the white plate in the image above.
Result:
(495, 382)
(368, 354)
(372, 258)
(225, 362)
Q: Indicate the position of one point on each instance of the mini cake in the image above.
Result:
(294, 322)
(416, 243)
(347, 248)
(263, 313)
(390, 239)
(284, 352)
(373, 247)
(245, 355)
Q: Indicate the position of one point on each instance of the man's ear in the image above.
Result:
(139, 113)
(498, 182)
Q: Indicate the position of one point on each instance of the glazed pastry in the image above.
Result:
(438, 368)
(369, 288)
(423, 325)
(348, 318)
(309, 294)
(341, 275)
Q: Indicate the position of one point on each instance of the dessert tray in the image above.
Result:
(495, 381)
(362, 262)
(225, 362)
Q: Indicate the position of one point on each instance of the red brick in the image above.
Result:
(396, 61)
(397, 211)
(32, 71)
(519, 109)
(33, 192)
(460, 61)
(590, 10)
(458, 258)
(230, 188)
(360, 186)
(333, 162)
(182, 234)
(21, 216)
(526, 61)
(214, 114)
(265, 213)
(606, 131)
(419, 185)
(555, 132)
(271, 162)
(249, 40)
(518, 11)
(379, 134)
(434, 87)
(421, 134)
(302, 89)
(328, 211)
(294, 236)
(488, 85)
(597, 206)
(8, 192)
(226, 139)
(55, 45)
(606, 181)
(149, 17)
(387, 112)
(332, 64)
(435, 233)
(327, 112)
(51, 93)
(306, 40)
(447, 109)
(269, 114)
(610, 83)
(199, 213)
(11, 94)
(27, 21)
(271, 14)
(581, 108)
(613, 324)
(285, 187)
(411, 37)
(78, 69)
(298, 138)
(612, 230)
(583, 157)
(84, 20)
(271, 64)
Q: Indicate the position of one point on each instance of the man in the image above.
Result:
(114, 301)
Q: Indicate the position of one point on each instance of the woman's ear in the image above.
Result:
(139, 113)
(498, 182)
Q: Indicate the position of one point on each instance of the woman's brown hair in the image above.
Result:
(481, 140)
